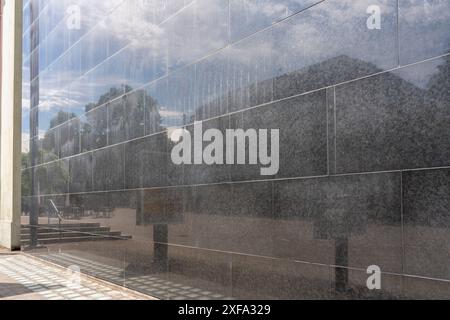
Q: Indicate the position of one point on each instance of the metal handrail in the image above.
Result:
(59, 215)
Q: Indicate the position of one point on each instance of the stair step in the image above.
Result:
(77, 239)
(80, 229)
(67, 225)
(53, 235)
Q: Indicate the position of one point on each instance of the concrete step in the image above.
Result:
(66, 225)
(68, 233)
(77, 239)
(54, 235)
(79, 229)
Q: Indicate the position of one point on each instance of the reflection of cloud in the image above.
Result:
(165, 113)
(433, 11)
(54, 98)
(158, 31)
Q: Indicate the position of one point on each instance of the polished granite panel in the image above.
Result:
(181, 97)
(57, 177)
(426, 204)
(302, 125)
(52, 178)
(247, 17)
(250, 72)
(80, 173)
(423, 26)
(100, 259)
(116, 121)
(99, 119)
(159, 114)
(196, 31)
(211, 87)
(94, 132)
(315, 49)
(108, 168)
(134, 115)
(158, 207)
(207, 173)
(70, 138)
(349, 221)
(396, 120)
(272, 279)
(238, 220)
(331, 112)
(351, 284)
(208, 218)
(48, 147)
(102, 83)
(253, 219)
(199, 274)
(148, 163)
(425, 289)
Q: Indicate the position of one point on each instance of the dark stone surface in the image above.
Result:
(211, 87)
(206, 220)
(261, 278)
(80, 173)
(252, 218)
(52, 178)
(148, 163)
(423, 26)
(426, 204)
(116, 121)
(108, 168)
(355, 286)
(251, 16)
(395, 120)
(313, 216)
(354, 121)
(204, 173)
(251, 72)
(314, 50)
(302, 125)
(95, 129)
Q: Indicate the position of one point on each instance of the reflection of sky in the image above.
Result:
(137, 42)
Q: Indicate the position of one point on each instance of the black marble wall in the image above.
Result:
(364, 120)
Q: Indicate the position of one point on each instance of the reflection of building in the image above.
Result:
(363, 177)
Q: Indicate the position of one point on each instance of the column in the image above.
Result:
(11, 125)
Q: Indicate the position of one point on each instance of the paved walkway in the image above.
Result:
(26, 278)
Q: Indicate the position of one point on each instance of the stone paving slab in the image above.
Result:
(25, 278)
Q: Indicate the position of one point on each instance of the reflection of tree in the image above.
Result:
(89, 132)
(26, 179)
(50, 142)
(440, 82)
(127, 112)
(112, 94)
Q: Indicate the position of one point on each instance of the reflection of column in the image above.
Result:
(34, 116)
(11, 124)
(160, 247)
(341, 274)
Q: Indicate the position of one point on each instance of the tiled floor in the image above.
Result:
(26, 278)
(148, 284)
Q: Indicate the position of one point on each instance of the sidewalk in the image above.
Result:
(26, 278)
